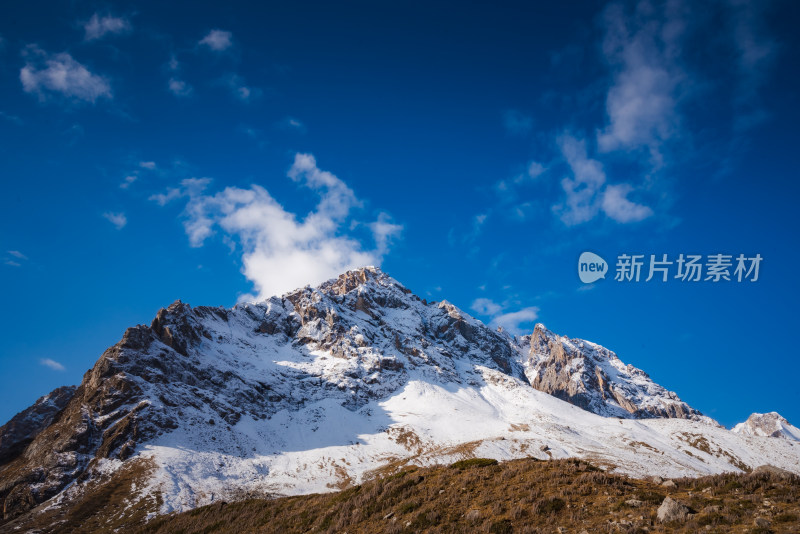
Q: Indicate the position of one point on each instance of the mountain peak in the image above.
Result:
(355, 278)
(770, 424)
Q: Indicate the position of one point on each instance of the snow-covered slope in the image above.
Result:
(768, 424)
(325, 386)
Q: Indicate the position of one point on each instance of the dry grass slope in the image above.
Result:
(525, 496)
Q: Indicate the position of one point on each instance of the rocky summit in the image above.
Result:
(329, 386)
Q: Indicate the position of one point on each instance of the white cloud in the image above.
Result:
(52, 364)
(512, 321)
(581, 204)
(17, 254)
(117, 219)
(484, 306)
(642, 49)
(587, 193)
(149, 165)
(280, 250)
(98, 27)
(617, 206)
(60, 73)
(179, 87)
(218, 40)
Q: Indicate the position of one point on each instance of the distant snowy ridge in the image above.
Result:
(768, 424)
(326, 386)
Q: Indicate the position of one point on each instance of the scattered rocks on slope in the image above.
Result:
(672, 510)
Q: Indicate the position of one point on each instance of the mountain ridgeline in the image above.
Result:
(325, 387)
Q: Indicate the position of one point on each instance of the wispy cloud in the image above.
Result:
(617, 205)
(117, 219)
(133, 175)
(14, 258)
(12, 118)
(176, 85)
(98, 26)
(52, 364)
(240, 90)
(512, 321)
(217, 40)
(586, 191)
(643, 50)
(516, 123)
(281, 250)
(47, 74)
(189, 187)
(291, 124)
(581, 203)
(179, 87)
(756, 51)
(484, 306)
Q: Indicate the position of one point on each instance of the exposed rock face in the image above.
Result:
(26, 425)
(592, 377)
(768, 424)
(672, 510)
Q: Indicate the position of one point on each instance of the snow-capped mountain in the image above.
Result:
(327, 386)
(768, 424)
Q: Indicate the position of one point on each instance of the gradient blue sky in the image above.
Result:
(154, 151)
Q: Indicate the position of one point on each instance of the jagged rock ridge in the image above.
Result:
(593, 377)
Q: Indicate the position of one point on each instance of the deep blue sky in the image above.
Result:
(473, 151)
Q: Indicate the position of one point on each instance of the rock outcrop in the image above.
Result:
(593, 377)
(768, 424)
(671, 510)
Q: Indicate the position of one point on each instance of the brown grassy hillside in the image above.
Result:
(516, 496)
